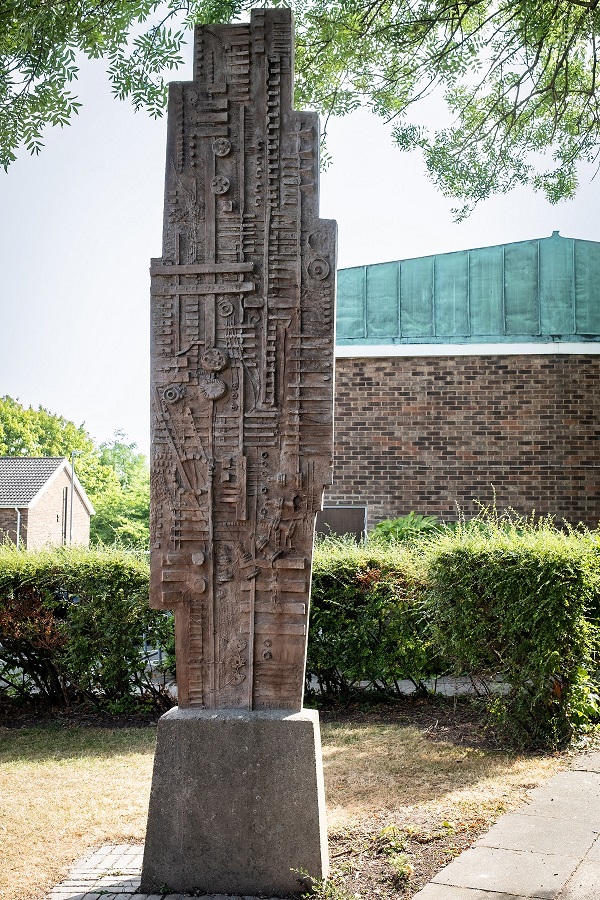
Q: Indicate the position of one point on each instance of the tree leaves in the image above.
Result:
(38, 61)
(115, 476)
(519, 78)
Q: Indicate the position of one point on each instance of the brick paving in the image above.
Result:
(113, 873)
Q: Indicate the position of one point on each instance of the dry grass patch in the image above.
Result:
(66, 789)
(62, 791)
(375, 769)
(402, 803)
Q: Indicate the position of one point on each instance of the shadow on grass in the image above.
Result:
(63, 742)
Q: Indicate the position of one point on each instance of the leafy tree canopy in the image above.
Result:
(123, 513)
(519, 77)
(115, 476)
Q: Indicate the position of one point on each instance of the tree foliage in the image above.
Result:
(38, 432)
(123, 512)
(519, 77)
(39, 47)
(115, 476)
(519, 80)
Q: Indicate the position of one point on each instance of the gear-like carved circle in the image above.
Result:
(318, 268)
(173, 392)
(219, 184)
(214, 389)
(214, 360)
(221, 146)
(226, 308)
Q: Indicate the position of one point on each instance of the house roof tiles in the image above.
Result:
(22, 478)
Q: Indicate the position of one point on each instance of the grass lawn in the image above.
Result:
(405, 793)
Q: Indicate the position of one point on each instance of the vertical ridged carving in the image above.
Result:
(242, 371)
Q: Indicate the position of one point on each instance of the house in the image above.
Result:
(471, 376)
(37, 505)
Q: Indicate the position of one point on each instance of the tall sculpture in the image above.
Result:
(242, 411)
(242, 353)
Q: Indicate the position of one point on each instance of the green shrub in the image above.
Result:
(516, 603)
(368, 623)
(520, 605)
(405, 528)
(73, 623)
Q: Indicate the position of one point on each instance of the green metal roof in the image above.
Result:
(540, 290)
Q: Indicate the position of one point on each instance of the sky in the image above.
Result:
(80, 222)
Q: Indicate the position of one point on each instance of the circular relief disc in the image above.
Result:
(219, 184)
(215, 389)
(221, 146)
(173, 392)
(226, 308)
(318, 268)
(214, 360)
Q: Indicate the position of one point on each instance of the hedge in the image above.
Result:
(369, 625)
(515, 605)
(521, 605)
(73, 625)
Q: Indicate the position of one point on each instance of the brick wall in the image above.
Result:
(426, 434)
(8, 526)
(47, 519)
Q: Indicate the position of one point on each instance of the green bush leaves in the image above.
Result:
(369, 627)
(518, 605)
(513, 606)
(73, 625)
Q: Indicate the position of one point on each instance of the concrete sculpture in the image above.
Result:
(242, 399)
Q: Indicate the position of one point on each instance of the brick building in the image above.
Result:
(471, 376)
(35, 503)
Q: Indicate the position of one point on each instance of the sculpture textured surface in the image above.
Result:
(242, 371)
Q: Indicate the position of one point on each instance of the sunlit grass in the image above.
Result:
(66, 789)
(63, 791)
(378, 768)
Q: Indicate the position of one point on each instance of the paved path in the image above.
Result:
(113, 871)
(549, 849)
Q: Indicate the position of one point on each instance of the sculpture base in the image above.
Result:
(237, 803)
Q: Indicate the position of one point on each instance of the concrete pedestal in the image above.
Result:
(237, 802)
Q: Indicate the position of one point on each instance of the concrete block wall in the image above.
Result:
(430, 434)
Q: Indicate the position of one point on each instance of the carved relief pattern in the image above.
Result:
(242, 371)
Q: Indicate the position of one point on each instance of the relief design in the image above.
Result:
(242, 371)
